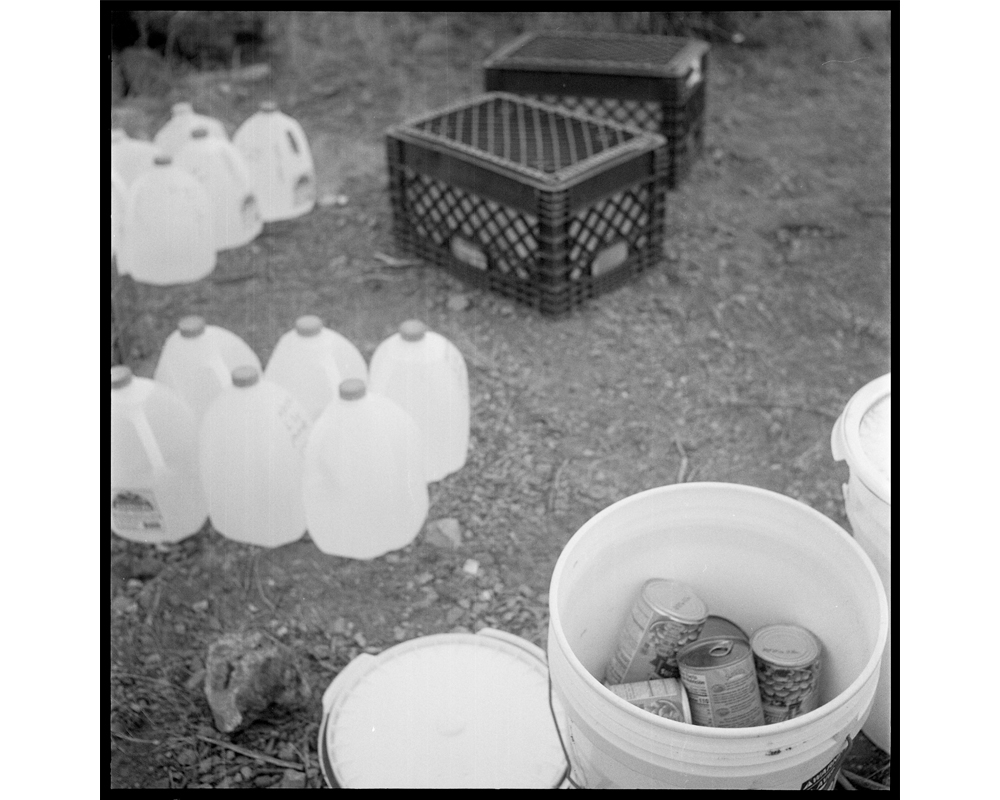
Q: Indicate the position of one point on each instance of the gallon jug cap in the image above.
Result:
(199, 133)
(352, 389)
(245, 376)
(163, 161)
(182, 108)
(120, 376)
(309, 325)
(412, 330)
(191, 326)
(268, 106)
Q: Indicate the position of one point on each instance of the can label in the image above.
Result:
(721, 684)
(664, 697)
(787, 661)
(651, 637)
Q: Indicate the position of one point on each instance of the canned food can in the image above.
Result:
(719, 627)
(664, 697)
(665, 617)
(787, 659)
(721, 683)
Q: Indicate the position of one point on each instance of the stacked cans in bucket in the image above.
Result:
(675, 660)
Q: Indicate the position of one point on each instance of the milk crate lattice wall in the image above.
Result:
(543, 205)
(656, 83)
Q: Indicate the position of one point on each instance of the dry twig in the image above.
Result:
(844, 783)
(554, 489)
(684, 460)
(864, 783)
(253, 754)
(735, 401)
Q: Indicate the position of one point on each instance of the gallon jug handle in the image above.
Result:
(148, 440)
(510, 638)
(222, 372)
(348, 676)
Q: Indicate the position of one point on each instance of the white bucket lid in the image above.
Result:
(453, 710)
(863, 436)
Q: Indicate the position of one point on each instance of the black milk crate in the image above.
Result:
(543, 205)
(656, 83)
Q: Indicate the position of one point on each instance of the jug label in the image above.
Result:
(135, 510)
(295, 423)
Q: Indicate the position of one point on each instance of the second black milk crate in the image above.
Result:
(654, 82)
(544, 205)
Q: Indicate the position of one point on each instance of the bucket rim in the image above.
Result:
(758, 732)
(847, 444)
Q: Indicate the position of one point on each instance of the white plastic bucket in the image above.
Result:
(755, 557)
(863, 437)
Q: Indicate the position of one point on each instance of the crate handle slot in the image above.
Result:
(609, 258)
(468, 253)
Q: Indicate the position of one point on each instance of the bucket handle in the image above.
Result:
(148, 440)
(837, 440)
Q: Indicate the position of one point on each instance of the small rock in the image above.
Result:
(133, 585)
(282, 631)
(360, 639)
(425, 577)
(287, 752)
(399, 633)
(197, 679)
(206, 765)
(246, 772)
(247, 672)
(341, 627)
(458, 301)
(292, 779)
(454, 615)
(392, 558)
(444, 533)
(187, 757)
(148, 567)
(471, 566)
(200, 606)
(180, 627)
(123, 605)
(152, 658)
(263, 781)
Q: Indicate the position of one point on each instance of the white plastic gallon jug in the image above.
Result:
(863, 437)
(156, 493)
(305, 365)
(119, 204)
(364, 487)
(450, 710)
(426, 375)
(176, 133)
(223, 171)
(168, 237)
(280, 161)
(754, 557)
(251, 442)
(198, 360)
(130, 158)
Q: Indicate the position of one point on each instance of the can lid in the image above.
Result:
(121, 376)
(199, 133)
(244, 376)
(412, 330)
(268, 106)
(352, 389)
(785, 645)
(191, 326)
(718, 651)
(163, 161)
(453, 710)
(309, 325)
(863, 436)
(676, 599)
(182, 108)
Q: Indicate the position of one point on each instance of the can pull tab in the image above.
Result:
(721, 649)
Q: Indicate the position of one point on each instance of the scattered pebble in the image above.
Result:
(471, 566)
(282, 631)
(200, 606)
(446, 533)
(458, 302)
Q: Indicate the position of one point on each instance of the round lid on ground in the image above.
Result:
(182, 108)
(309, 325)
(785, 645)
(412, 330)
(246, 375)
(352, 389)
(675, 598)
(447, 711)
(120, 376)
(191, 326)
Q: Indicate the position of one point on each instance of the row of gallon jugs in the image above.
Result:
(317, 441)
(191, 192)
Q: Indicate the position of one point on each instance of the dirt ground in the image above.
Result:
(728, 362)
